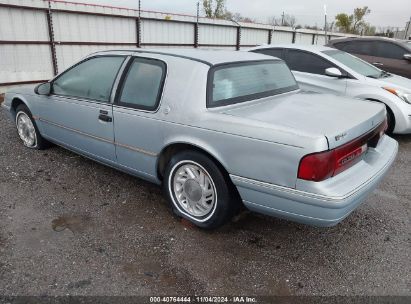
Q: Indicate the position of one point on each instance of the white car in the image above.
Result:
(326, 70)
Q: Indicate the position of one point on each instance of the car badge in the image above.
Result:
(340, 136)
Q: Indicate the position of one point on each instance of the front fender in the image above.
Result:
(400, 108)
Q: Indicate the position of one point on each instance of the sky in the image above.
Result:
(384, 13)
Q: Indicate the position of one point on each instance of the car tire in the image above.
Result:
(198, 190)
(27, 129)
(390, 121)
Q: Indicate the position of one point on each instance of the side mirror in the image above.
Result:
(43, 89)
(333, 72)
(407, 57)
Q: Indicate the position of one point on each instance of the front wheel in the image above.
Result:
(198, 191)
(27, 129)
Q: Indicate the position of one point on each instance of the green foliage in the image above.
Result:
(344, 22)
(214, 8)
(217, 9)
(355, 23)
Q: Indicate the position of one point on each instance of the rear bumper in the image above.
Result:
(320, 208)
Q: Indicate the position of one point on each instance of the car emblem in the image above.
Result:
(340, 136)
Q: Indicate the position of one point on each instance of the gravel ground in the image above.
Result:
(71, 226)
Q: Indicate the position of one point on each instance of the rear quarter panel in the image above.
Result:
(245, 148)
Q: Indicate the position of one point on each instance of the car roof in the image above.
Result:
(376, 38)
(209, 57)
(310, 48)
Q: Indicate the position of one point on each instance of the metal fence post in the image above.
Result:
(294, 34)
(238, 45)
(238, 42)
(138, 25)
(313, 41)
(196, 26)
(270, 36)
(51, 40)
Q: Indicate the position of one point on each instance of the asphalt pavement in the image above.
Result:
(70, 226)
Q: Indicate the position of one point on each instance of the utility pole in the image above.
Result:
(282, 19)
(325, 25)
(407, 29)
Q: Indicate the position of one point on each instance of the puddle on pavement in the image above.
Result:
(73, 223)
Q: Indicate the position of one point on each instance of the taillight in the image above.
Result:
(322, 165)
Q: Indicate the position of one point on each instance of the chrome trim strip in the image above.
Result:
(76, 131)
(136, 149)
(149, 153)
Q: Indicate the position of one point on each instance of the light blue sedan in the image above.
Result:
(217, 129)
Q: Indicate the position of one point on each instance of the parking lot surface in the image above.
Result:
(69, 225)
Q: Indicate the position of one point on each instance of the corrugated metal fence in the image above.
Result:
(40, 38)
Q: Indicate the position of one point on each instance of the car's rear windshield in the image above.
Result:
(239, 82)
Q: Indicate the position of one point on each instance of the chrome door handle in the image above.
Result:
(104, 116)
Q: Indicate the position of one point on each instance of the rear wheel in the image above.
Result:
(27, 129)
(198, 191)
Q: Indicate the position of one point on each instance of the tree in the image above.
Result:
(354, 23)
(217, 9)
(237, 17)
(344, 22)
(283, 20)
(289, 20)
(214, 8)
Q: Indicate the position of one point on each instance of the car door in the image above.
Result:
(78, 112)
(138, 128)
(390, 57)
(309, 71)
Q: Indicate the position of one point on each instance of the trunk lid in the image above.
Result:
(339, 119)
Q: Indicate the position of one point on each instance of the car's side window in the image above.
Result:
(357, 47)
(90, 79)
(271, 52)
(389, 50)
(307, 62)
(143, 84)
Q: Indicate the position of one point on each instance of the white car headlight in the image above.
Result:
(401, 94)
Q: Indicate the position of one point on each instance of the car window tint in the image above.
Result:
(271, 52)
(389, 50)
(233, 83)
(357, 47)
(91, 79)
(142, 86)
(307, 62)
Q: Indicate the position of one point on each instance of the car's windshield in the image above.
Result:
(355, 64)
(238, 82)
